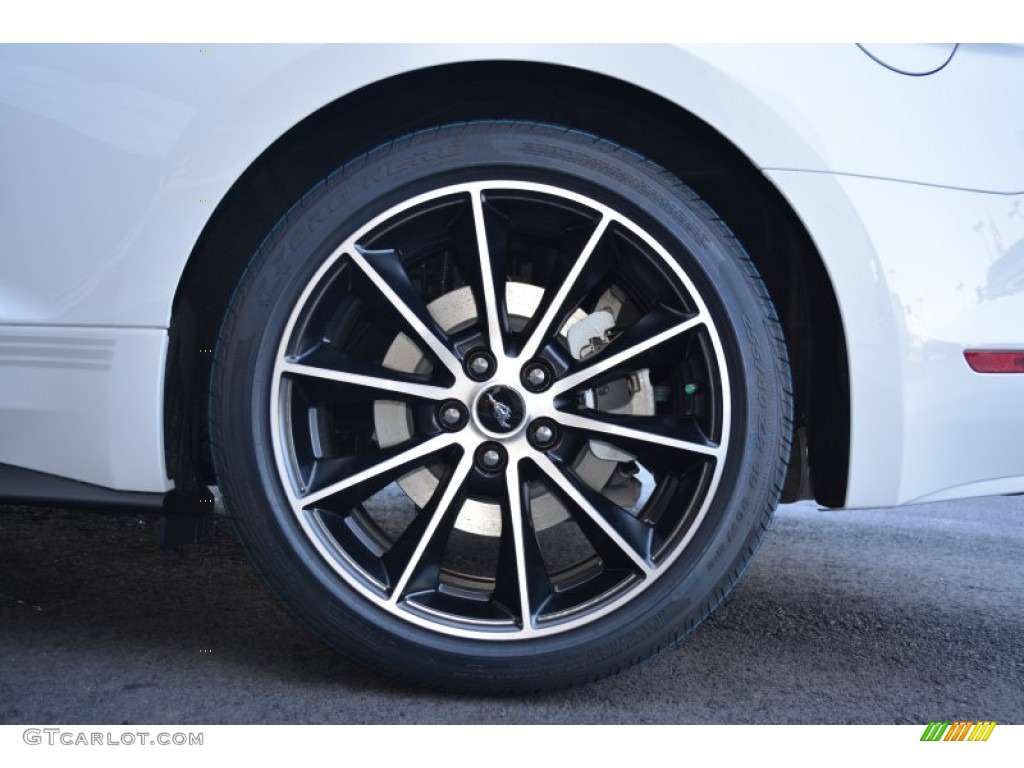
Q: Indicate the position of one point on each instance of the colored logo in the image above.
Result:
(959, 730)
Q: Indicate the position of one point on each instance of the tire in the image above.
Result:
(534, 494)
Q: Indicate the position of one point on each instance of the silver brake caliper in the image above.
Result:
(602, 466)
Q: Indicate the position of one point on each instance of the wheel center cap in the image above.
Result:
(500, 409)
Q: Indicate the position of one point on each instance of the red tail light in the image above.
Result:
(995, 361)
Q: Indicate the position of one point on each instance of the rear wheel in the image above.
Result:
(500, 406)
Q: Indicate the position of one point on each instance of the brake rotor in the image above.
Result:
(598, 465)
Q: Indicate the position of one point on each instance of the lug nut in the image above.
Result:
(480, 365)
(452, 415)
(491, 457)
(537, 376)
(543, 434)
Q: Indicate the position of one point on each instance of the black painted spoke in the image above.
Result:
(659, 439)
(331, 366)
(618, 537)
(487, 275)
(427, 543)
(385, 270)
(381, 467)
(523, 584)
(567, 290)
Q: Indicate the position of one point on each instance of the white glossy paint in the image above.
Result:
(947, 275)
(953, 262)
(153, 136)
(84, 403)
(123, 152)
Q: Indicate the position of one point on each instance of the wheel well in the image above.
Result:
(631, 116)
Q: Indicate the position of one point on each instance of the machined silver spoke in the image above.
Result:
(555, 307)
(610, 361)
(583, 504)
(490, 298)
(614, 430)
(384, 384)
(443, 509)
(515, 501)
(417, 320)
(419, 451)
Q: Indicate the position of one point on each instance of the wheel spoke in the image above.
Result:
(557, 306)
(656, 327)
(385, 270)
(490, 290)
(428, 539)
(522, 580)
(395, 385)
(385, 461)
(653, 430)
(615, 534)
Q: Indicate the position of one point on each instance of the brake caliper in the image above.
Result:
(604, 467)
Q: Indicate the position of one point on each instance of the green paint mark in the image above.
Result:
(934, 730)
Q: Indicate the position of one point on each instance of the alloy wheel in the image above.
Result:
(500, 409)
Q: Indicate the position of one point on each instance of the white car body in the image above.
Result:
(911, 188)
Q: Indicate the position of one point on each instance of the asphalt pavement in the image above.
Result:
(872, 616)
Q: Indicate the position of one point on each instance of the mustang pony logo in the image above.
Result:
(501, 411)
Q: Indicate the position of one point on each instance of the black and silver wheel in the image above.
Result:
(500, 406)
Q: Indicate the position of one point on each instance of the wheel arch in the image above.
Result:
(616, 110)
